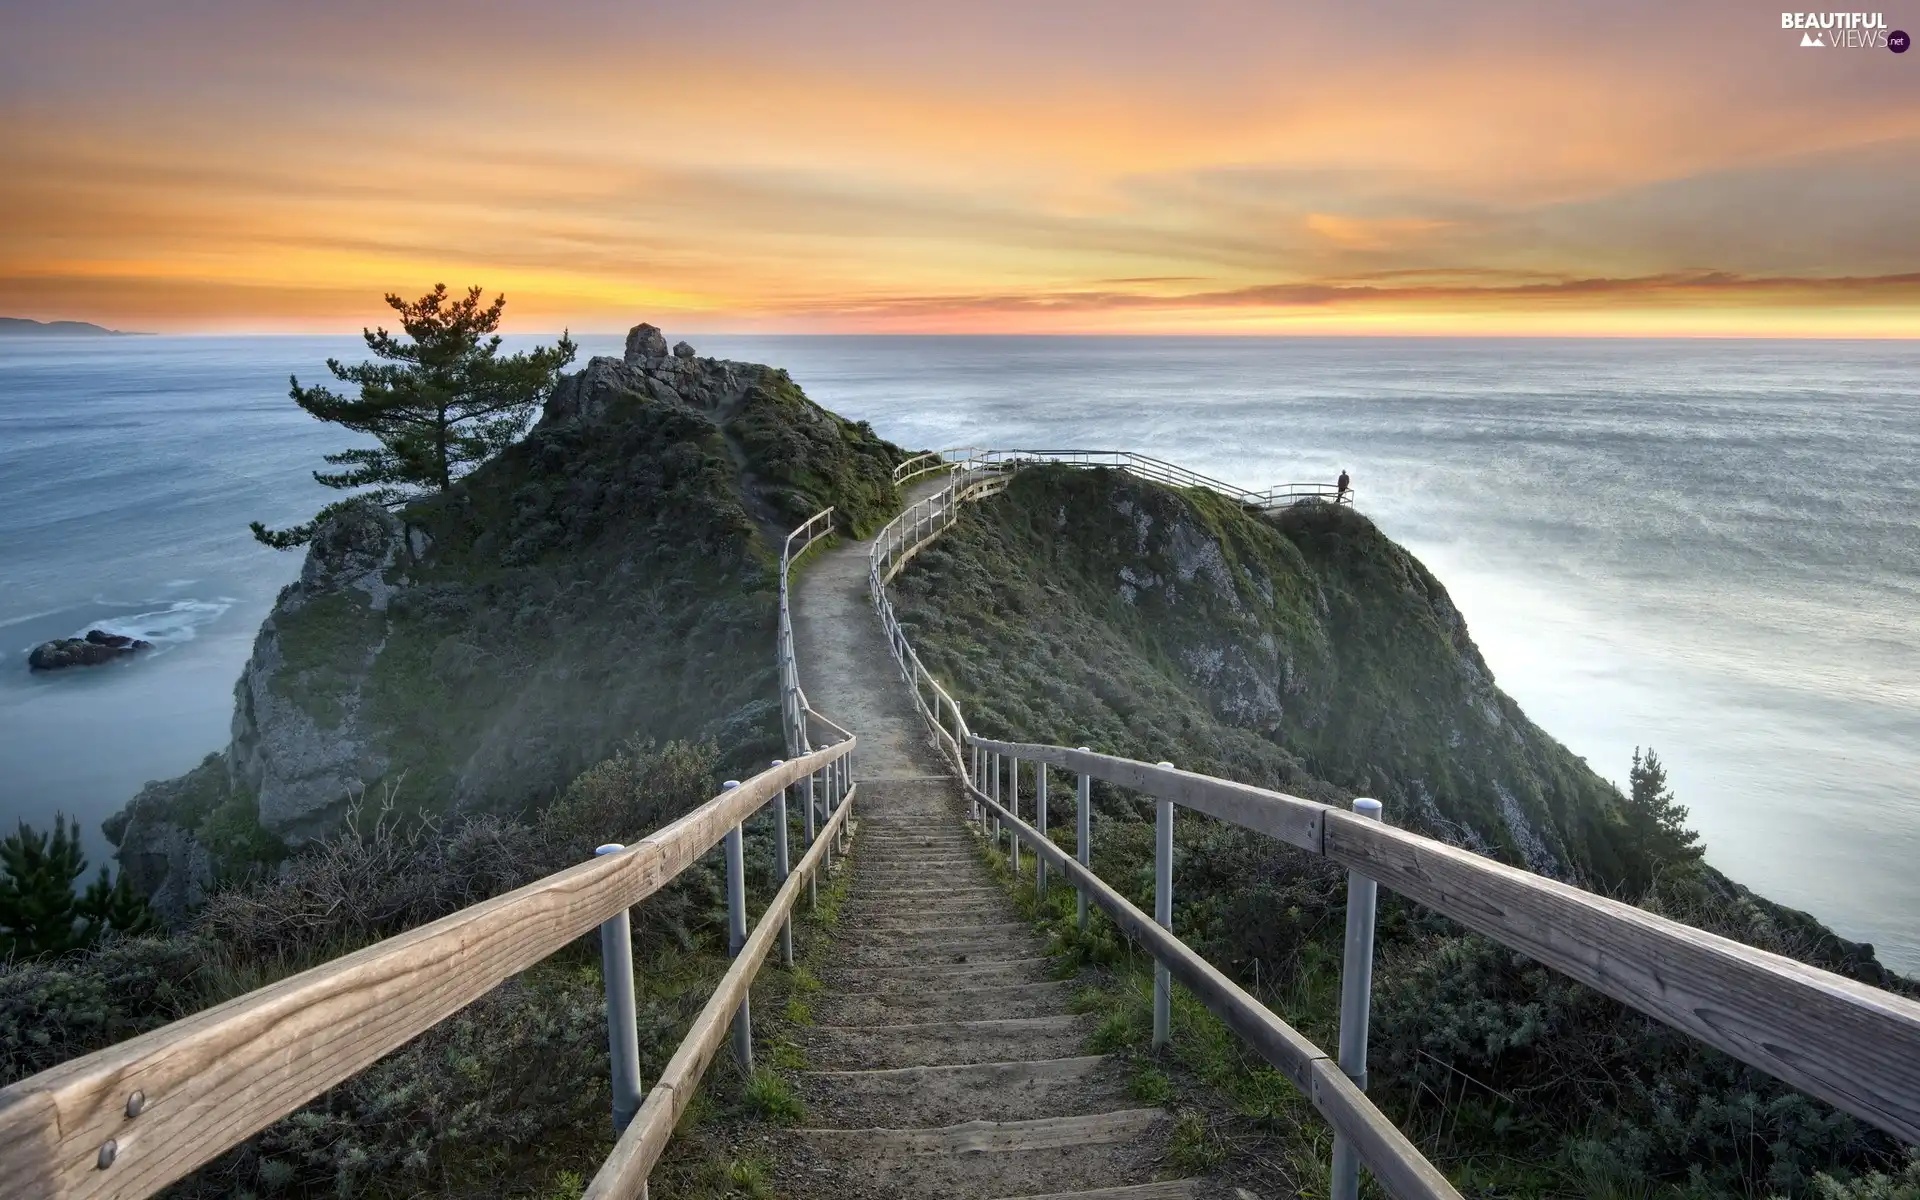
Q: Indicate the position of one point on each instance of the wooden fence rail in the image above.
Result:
(964, 459)
(624, 1174)
(1855, 1046)
(130, 1119)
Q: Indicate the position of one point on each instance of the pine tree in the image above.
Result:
(444, 402)
(38, 911)
(1656, 823)
(113, 905)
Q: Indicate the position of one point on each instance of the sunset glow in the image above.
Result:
(1220, 168)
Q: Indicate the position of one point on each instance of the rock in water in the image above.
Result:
(96, 647)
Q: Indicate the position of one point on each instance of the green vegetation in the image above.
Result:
(512, 1087)
(1656, 824)
(614, 570)
(1306, 651)
(774, 1098)
(445, 402)
(40, 912)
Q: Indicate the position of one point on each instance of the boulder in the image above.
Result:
(96, 647)
(682, 350)
(645, 344)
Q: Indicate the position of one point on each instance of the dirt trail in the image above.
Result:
(944, 1059)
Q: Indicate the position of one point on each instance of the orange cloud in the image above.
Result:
(743, 165)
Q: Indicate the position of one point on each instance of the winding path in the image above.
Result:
(945, 1062)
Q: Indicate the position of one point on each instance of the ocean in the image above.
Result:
(1707, 547)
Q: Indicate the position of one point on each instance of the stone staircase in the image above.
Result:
(945, 1062)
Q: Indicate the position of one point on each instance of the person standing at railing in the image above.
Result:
(1340, 489)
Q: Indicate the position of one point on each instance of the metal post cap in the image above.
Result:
(1367, 808)
(1167, 765)
(729, 785)
(609, 848)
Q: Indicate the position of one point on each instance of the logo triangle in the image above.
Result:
(1807, 39)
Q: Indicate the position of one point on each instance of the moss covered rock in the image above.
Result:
(613, 572)
(1302, 649)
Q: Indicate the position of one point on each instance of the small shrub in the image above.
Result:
(55, 1010)
(770, 1095)
(751, 1177)
(787, 1056)
(1193, 1147)
(1150, 1086)
(1904, 1186)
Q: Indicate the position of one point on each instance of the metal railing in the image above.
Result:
(128, 1120)
(966, 459)
(1856, 1047)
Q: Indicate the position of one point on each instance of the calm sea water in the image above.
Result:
(1712, 548)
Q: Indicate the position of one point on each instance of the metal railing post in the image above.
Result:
(994, 791)
(1356, 998)
(737, 936)
(1013, 806)
(783, 866)
(973, 804)
(813, 878)
(623, 1035)
(826, 810)
(1083, 834)
(1040, 823)
(1163, 916)
(844, 767)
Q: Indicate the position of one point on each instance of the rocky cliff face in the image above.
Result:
(1302, 650)
(612, 575)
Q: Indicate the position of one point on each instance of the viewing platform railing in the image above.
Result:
(1855, 1046)
(970, 459)
(128, 1120)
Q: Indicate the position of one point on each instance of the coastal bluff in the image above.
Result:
(611, 575)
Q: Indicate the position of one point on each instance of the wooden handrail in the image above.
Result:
(1145, 466)
(211, 1080)
(624, 1174)
(1394, 1160)
(1853, 1045)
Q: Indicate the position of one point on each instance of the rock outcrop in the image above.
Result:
(610, 576)
(1303, 649)
(98, 646)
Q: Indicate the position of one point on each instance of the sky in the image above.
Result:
(1477, 167)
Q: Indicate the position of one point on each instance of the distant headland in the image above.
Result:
(22, 327)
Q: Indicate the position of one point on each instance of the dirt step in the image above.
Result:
(903, 919)
(878, 904)
(934, 905)
(925, 978)
(959, 937)
(930, 1004)
(944, 1043)
(932, 952)
(979, 1158)
(967, 883)
(919, 1097)
(908, 865)
(1166, 1189)
(960, 929)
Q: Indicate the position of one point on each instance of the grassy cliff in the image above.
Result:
(1305, 650)
(614, 572)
